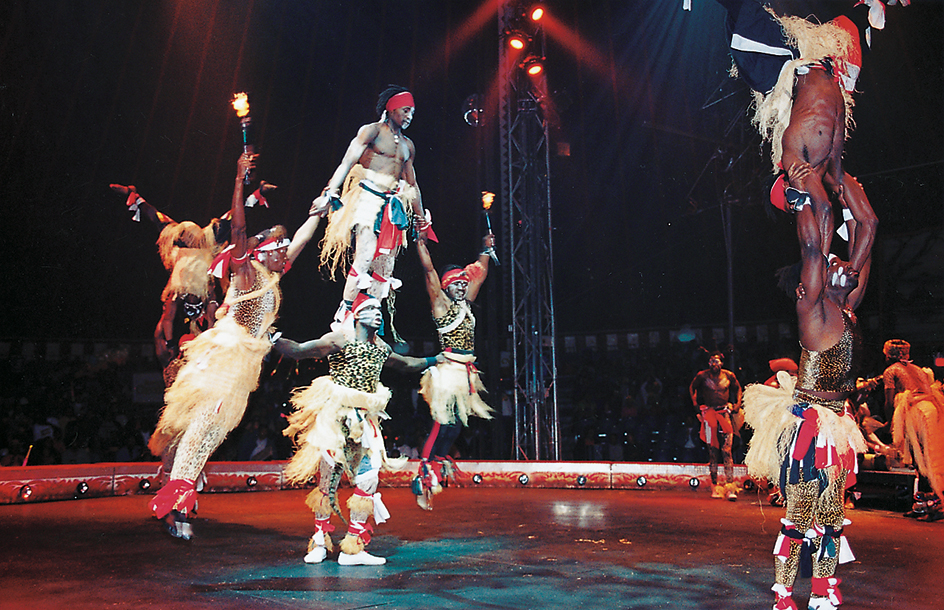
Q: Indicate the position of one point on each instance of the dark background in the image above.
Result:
(138, 92)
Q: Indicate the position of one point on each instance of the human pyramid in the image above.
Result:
(212, 353)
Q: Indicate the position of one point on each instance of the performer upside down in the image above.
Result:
(336, 425)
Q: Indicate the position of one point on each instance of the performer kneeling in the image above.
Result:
(452, 387)
(336, 424)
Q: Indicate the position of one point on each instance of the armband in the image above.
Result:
(431, 361)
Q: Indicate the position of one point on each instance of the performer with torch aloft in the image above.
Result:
(221, 366)
(452, 387)
(487, 200)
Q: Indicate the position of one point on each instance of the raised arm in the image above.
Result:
(326, 345)
(302, 236)
(240, 267)
(475, 283)
(433, 287)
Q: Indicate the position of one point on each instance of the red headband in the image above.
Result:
(363, 300)
(404, 98)
(454, 275)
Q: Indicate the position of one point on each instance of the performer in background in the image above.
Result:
(368, 197)
(716, 394)
(452, 387)
(917, 425)
(804, 435)
(336, 425)
(191, 296)
(222, 365)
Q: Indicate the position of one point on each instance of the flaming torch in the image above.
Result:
(241, 105)
(487, 199)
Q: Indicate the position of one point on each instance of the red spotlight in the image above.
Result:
(533, 65)
(517, 40)
(536, 12)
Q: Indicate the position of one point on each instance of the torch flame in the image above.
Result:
(487, 199)
(241, 104)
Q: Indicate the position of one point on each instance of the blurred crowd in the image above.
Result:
(614, 405)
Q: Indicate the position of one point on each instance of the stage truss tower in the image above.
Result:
(527, 235)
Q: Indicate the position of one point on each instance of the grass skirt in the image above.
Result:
(918, 433)
(447, 388)
(768, 411)
(221, 368)
(325, 416)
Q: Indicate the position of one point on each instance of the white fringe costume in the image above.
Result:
(452, 390)
(918, 433)
(209, 396)
(337, 429)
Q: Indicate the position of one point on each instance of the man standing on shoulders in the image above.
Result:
(368, 196)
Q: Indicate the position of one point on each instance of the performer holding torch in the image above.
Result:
(487, 200)
(451, 387)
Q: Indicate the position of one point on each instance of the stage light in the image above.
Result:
(251, 482)
(581, 480)
(517, 39)
(144, 484)
(81, 489)
(25, 492)
(694, 482)
(748, 485)
(536, 12)
(477, 479)
(472, 110)
(524, 479)
(641, 482)
(533, 65)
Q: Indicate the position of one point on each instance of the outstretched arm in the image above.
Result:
(302, 236)
(329, 343)
(409, 364)
(475, 283)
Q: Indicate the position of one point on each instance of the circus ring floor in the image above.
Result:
(555, 541)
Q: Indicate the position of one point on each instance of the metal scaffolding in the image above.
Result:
(526, 233)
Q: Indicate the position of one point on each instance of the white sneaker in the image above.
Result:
(821, 603)
(316, 555)
(360, 559)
